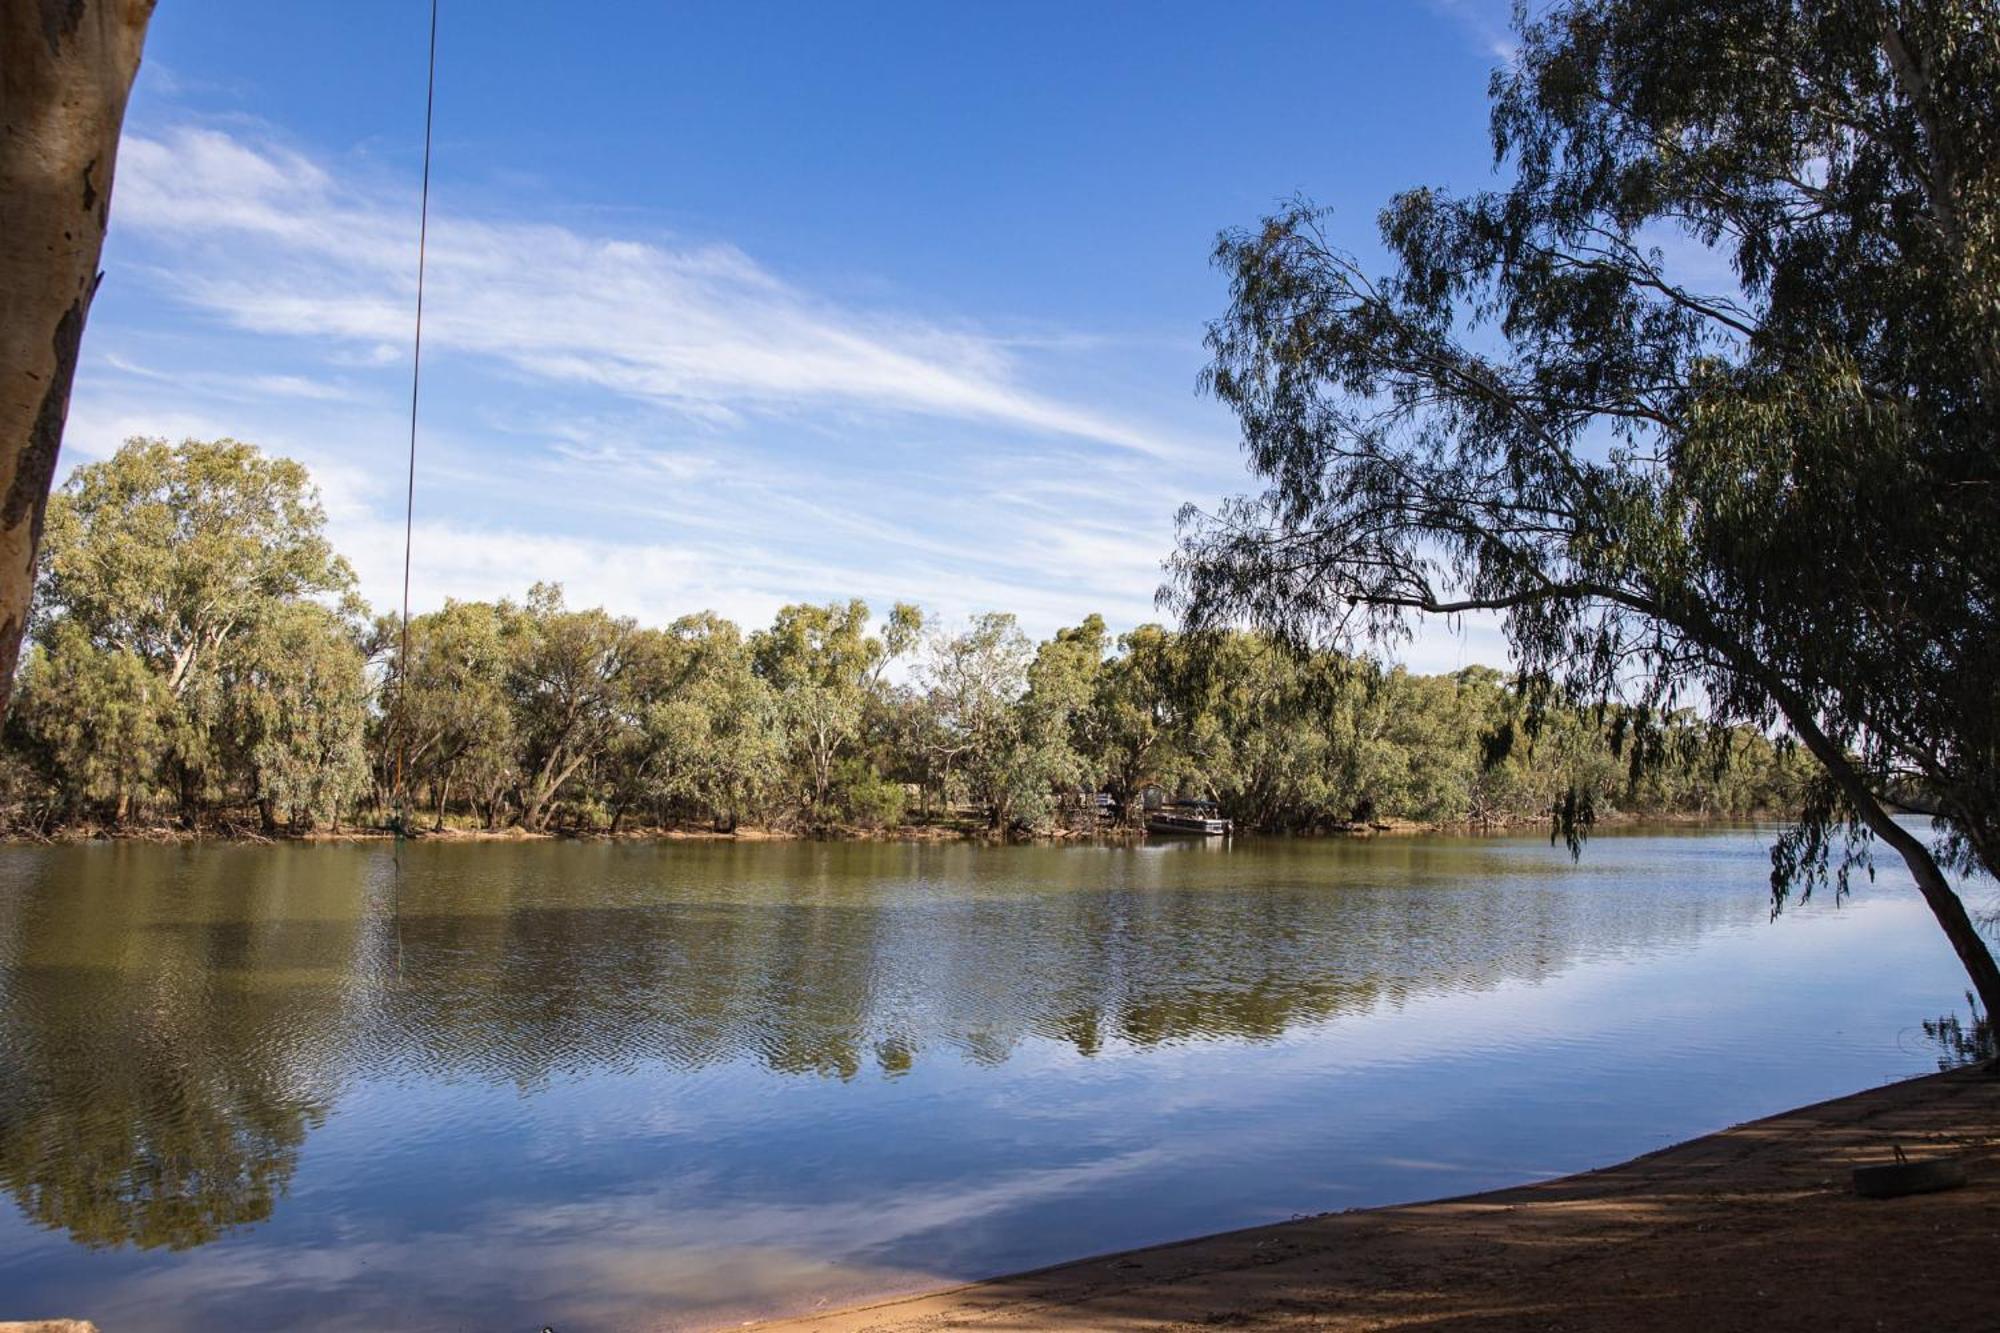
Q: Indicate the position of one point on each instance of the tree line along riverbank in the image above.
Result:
(201, 663)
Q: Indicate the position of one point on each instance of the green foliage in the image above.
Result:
(539, 714)
(1773, 493)
(295, 710)
(565, 686)
(194, 642)
(175, 551)
(90, 721)
(864, 797)
(974, 681)
(825, 669)
(699, 728)
(448, 714)
(1135, 704)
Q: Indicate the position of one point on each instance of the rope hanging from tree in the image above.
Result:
(400, 796)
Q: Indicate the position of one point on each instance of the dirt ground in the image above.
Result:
(1753, 1228)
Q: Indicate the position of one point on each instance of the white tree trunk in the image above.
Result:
(66, 69)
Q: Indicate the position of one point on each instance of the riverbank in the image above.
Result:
(960, 830)
(175, 835)
(1752, 1228)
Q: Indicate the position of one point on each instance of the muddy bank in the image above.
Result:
(173, 835)
(958, 831)
(1752, 1228)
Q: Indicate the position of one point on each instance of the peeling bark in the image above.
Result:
(66, 70)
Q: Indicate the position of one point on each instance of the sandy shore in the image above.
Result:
(1752, 1228)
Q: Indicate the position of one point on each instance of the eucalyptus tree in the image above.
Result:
(450, 701)
(743, 752)
(295, 712)
(906, 742)
(818, 661)
(700, 728)
(189, 558)
(91, 723)
(67, 73)
(176, 551)
(1701, 399)
(565, 672)
(824, 666)
(1138, 712)
(1265, 733)
(975, 679)
(1063, 683)
(659, 729)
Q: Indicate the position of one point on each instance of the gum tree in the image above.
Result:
(202, 573)
(564, 680)
(823, 668)
(295, 715)
(1701, 400)
(452, 703)
(179, 551)
(66, 70)
(975, 679)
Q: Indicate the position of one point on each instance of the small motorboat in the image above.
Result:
(1197, 821)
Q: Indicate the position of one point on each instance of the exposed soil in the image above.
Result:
(1753, 1228)
(944, 830)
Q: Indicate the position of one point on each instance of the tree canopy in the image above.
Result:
(199, 656)
(193, 627)
(1701, 399)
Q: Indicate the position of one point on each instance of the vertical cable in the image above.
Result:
(416, 374)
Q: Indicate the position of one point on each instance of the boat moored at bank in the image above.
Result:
(1200, 821)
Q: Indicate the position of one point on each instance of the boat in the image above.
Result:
(1192, 820)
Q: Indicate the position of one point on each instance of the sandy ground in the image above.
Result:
(1753, 1228)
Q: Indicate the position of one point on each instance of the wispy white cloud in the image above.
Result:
(1487, 22)
(656, 530)
(272, 242)
(659, 425)
(234, 386)
(294, 386)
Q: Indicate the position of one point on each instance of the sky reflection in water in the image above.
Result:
(620, 1086)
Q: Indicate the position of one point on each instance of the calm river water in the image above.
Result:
(639, 1086)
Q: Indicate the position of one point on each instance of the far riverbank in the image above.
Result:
(953, 831)
(1755, 1227)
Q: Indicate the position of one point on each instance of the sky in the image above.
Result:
(730, 306)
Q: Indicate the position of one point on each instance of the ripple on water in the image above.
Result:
(258, 1086)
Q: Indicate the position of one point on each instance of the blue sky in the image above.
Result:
(732, 306)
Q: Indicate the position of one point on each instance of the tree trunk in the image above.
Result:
(1944, 902)
(66, 69)
(539, 794)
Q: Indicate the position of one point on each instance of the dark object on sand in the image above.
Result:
(1891, 1180)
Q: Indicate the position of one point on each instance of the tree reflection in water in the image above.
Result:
(176, 1022)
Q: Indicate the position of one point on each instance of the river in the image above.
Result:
(612, 1086)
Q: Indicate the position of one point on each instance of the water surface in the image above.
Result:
(637, 1086)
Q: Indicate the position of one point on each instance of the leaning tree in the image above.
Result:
(1701, 399)
(66, 69)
